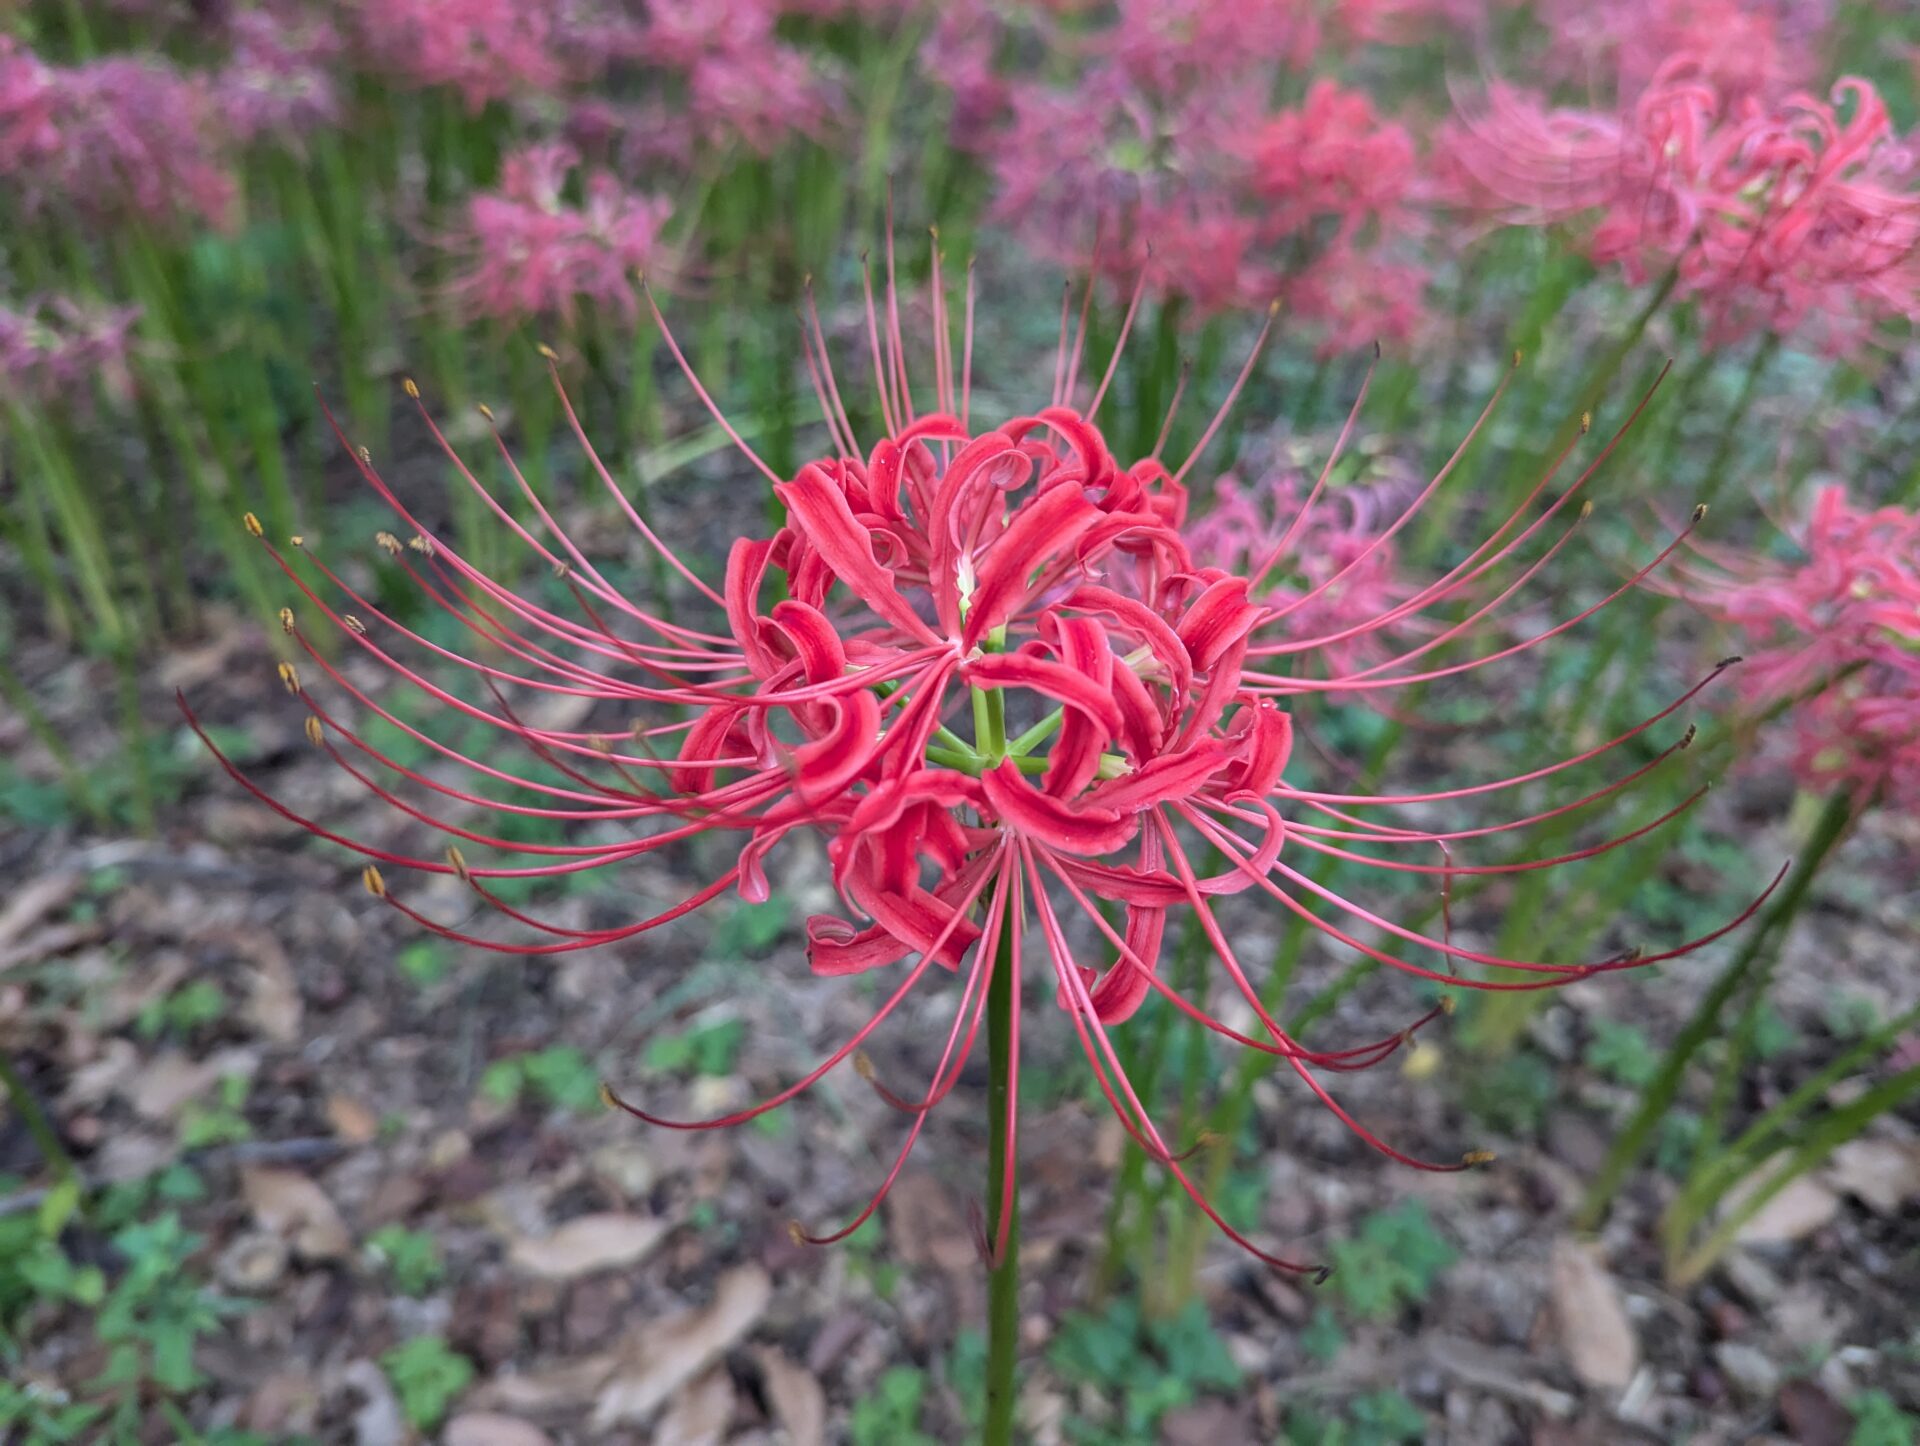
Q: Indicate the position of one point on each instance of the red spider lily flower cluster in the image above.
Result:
(1741, 47)
(1339, 577)
(1799, 214)
(530, 253)
(1835, 639)
(51, 348)
(983, 662)
(1167, 143)
(111, 140)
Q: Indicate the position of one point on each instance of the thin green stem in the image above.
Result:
(1633, 1141)
(1003, 1282)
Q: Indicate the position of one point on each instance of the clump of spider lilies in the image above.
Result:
(980, 659)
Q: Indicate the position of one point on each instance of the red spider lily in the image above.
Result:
(1775, 217)
(1836, 641)
(993, 676)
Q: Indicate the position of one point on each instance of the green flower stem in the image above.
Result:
(1003, 1282)
(1633, 1141)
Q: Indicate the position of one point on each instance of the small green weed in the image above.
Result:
(1381, 1418)
(411, 1258)
(1391, 1263)
(559, 1076)
(708, 1049)
(1142, 1369)
(427, 1377)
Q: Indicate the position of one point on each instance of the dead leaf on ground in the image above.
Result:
(1594, 1330)
(1883, 1175)
(587, 1244)
(274, 1005)
(351, 1120)
(699, 1414)
(1801, 1208)
(158, 1091)
(794, 1393)
(491, 1428)
(658, 1359)
(33, 901)
(1813, 1416)
(47, 942)
(100, 1076)
(925, 1226)
(378, 1422)
(297, 1210)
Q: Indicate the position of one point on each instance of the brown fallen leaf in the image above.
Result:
(587, 1244)
(658, 1359)
(158, 1091)
(699, 1414)
(925, 1226)
(294, 1208)
(274, 1006)
(794, 1393)
(1814, 1417)
(1883, 1175)
(491, 1428)
(1594, 1330)
(351, 1120)
(1804, 1206)
(32, 901)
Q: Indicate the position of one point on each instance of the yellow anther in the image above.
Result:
(796, 1232)
(459, 862)
(1700, 512)
(290, 677)
(485, 411)
(354, 625)
(375, 885)
(1517, 354)
(607, 1101)
(316, 735)
(1449, 1003)
(387, 543)
(410, 387)
(366, 456)
(253, 524)
(1478, 1157)
(1586, 509)
(296, 541)
(547, 352)
(286, 620)
(563, 569)
(863, 1064)
(421, 545)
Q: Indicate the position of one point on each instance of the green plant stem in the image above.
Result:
(1661, 1091)
(1003, 1281)
(45, 1137)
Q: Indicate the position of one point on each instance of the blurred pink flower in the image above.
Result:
(110, 139)
(486, 49)
(1771, 218)
(278, 82)
(532, 253)
(53, 347)
(1835, 638)
(1169, 46)
(1332, 160)
(1740, 47)
(1326, 563)
(1106, 163)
